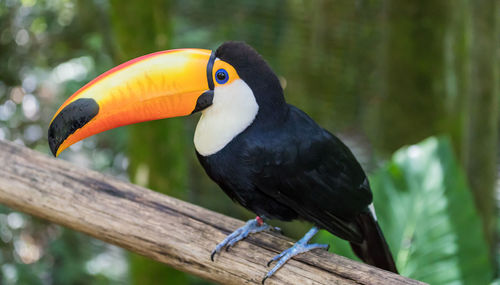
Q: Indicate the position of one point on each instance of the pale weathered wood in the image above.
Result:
(168, 230)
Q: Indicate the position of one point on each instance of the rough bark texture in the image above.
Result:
(162, 228)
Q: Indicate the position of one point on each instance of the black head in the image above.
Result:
(256, 73)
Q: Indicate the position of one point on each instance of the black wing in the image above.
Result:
(310, 170)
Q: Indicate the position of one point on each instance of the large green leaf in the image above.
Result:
(428, 217)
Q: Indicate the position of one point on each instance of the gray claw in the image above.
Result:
(299, 247)
(251, 226)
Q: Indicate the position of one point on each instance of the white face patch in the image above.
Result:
(233, 109)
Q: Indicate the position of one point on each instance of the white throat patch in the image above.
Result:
(233, 109)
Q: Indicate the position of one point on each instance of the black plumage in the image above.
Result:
(284, 166)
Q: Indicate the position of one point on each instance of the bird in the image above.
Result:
(265, 154)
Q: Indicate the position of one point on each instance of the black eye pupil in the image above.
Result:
(221, 75)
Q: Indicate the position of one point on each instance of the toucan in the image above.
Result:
(265, 154)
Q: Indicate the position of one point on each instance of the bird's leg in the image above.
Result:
(299, 247)
(252, 226)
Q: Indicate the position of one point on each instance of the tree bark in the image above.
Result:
(162, 228)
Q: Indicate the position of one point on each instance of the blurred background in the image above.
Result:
(412, 87)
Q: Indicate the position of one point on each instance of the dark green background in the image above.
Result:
(381, 74)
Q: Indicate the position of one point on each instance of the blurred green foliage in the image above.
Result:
(380, 73)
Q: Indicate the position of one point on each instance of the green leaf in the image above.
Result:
(427, 214)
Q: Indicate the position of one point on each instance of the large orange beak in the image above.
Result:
(156, 86)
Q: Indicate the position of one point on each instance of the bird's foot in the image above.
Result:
(299, 247)
(252, 226)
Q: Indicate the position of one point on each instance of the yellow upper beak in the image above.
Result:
(155, 86)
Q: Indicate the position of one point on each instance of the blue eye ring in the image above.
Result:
(221, 76)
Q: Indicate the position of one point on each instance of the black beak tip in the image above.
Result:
(53, 144)
(73, 117)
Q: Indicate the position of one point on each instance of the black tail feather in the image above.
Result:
(374, 249)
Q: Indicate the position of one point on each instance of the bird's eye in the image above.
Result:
(221, 76)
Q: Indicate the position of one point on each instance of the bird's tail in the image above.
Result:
(374, 249)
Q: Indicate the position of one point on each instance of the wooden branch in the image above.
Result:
(165, 229)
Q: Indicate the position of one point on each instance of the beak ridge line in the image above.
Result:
(210, 66)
